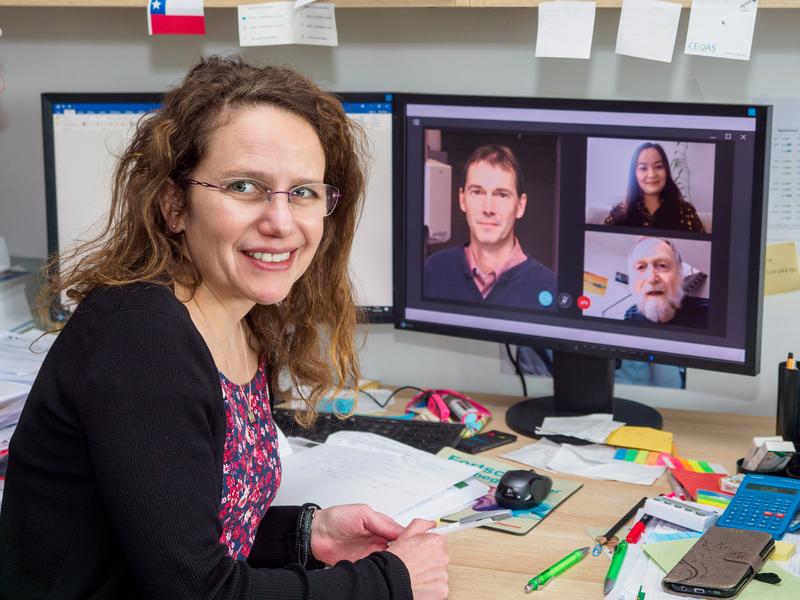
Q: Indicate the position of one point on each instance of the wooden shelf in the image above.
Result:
(355, 3)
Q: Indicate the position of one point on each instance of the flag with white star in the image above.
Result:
(176, 17)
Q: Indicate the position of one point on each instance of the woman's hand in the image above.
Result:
(425, 557)
(350, 532)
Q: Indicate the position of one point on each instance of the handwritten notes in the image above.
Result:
(780, 272)
(277, 23)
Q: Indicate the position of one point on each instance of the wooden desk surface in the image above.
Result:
(491, 565)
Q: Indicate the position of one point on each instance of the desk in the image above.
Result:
(490, 565)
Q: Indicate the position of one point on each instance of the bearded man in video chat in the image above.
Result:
(655, 278)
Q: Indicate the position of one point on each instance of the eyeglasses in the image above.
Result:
(307, 200)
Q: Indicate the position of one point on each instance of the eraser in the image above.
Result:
(783, 551)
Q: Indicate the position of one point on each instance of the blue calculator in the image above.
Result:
(764, 503)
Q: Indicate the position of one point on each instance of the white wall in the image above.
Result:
(487, 51)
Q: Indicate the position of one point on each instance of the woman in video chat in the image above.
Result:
(146, 458)
(653, 199)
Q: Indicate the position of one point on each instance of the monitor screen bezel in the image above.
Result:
(754, 301)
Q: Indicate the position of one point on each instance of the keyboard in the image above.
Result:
(429, 436)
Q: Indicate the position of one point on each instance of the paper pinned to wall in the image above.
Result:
(780, 271)
(279, 23)
(784, 169)
(721, 28)
(565, 29)
(647, 29)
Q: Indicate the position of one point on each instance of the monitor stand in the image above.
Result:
(582, 384)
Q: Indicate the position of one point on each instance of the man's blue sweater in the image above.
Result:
(448, 276)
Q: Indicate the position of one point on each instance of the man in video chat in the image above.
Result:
(655, 278)
(492, 268)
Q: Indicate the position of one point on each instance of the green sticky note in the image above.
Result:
(668, 554)
(705, 466)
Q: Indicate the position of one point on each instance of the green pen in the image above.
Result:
(616, 563)
(558, 568)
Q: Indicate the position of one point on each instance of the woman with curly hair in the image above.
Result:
(146, 458)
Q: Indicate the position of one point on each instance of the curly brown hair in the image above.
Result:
(312, 329)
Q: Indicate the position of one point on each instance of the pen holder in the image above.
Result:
(788, 424)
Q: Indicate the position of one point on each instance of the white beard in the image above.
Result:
(661, 309)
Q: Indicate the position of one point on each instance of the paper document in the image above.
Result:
(721, 28)
(453, 499)
(647, 29)
(784, 169)
(594, 428)
(353, 467)
(277, 23)
(593, 461)
(565, 29)
(780, 271)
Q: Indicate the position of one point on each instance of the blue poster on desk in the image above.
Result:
(491, 472)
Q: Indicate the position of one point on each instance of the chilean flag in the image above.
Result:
(176, 16)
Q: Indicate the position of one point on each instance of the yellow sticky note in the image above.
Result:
(783, 551)
(781, 271)
(643, 438)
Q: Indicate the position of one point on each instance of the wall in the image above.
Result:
(486, 51)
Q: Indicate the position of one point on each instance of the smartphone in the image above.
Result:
(485, 441)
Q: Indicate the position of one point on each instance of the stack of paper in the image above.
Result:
(594, 428)
(22, 354)
(394, 479)
(594, 461)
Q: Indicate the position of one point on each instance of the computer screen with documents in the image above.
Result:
(84, 134)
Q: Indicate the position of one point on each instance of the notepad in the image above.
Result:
(644, 438)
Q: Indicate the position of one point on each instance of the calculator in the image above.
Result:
(763, 503)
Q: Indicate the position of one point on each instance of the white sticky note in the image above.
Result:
(565, 29)
(647, 29)
(277, 23)
(721, 28)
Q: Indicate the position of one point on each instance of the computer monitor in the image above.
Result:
(600, 229)
(85, 133)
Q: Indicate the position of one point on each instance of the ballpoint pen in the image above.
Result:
(565, 563)
(677, 488)
(476, 520)
(616, 563)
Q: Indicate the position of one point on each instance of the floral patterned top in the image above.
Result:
(251, 468)
(689, 220)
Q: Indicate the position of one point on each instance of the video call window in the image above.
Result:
(647, 280)
(655, 184)
(490, 218)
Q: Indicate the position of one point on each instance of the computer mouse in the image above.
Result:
(520, 489)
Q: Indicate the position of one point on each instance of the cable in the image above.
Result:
(515, 362)
(392, 395)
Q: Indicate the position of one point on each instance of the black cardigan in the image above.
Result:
(115, 474)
